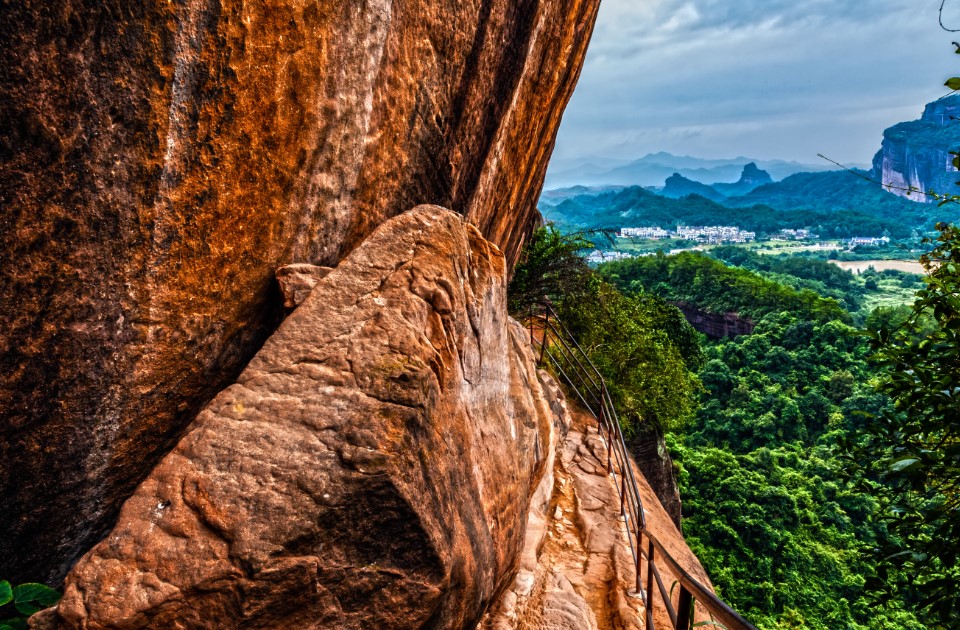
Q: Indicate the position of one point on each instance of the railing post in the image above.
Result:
(543, 337)
(650, 565)
(530, 320)
(639, 559)
(609, 451)
(623, 498)
(600, 420)
(684, 609)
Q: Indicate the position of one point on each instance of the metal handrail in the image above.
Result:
(558, 347)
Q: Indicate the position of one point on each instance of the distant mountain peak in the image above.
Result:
(753, 174)
(677, 186)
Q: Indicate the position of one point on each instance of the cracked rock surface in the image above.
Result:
(371, 468)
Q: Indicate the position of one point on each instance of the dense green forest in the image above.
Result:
(785, 533)
(698, 279)
(768, 429)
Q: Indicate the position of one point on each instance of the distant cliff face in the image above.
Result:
(160, 160)
(915, 155)
(715, 325)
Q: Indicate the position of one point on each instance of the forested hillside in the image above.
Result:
(833, 204)
(786, 536)
(768, 213)
(836, 191)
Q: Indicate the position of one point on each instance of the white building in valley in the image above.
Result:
(654, 233)
(868, 240)
(715, 234)
(597, 256)
(700, 234)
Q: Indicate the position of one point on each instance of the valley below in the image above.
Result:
(791, 278)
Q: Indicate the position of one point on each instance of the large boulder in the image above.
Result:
(159, 160)
(371, 468)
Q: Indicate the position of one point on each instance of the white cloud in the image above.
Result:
(770, 78)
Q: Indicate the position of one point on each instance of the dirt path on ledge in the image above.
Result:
(577, 572)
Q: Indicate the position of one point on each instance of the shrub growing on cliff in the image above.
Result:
(644, 347)
(550, 267)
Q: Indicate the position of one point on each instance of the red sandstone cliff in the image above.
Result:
(159, 160)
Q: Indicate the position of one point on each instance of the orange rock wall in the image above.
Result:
(371, 468)
(158, 160)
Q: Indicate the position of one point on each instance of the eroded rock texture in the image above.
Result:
(576, 570)
(915, 156)
(159, 160)
(371, 468)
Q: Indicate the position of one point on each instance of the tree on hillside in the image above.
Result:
(913, 453)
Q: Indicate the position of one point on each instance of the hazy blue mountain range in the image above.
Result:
(751, 177)
(677, 186)
(832, 202)
(550, 198)
(655, 168)
(637, 207)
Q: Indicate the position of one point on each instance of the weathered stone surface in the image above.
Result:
(649, 448)
(159, 160)
(715, 325)
(576, 570)
(371, 468)
(297, 281)
(915, 156)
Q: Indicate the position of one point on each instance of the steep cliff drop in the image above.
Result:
(160, 160)
(371, 468)
(915, 156)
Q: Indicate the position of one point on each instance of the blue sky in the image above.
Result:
(760, 78)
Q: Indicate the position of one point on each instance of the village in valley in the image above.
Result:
(629, 242)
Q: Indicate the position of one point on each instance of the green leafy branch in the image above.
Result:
(26, 599)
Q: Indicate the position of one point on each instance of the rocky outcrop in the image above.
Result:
(715, 325)
(159, 160)
(752, 177)
(371, 468)
(915, 156)
(297, 281)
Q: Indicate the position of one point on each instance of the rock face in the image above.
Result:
(158, 161)
(576, 571)
(915, 155)
(371, 468)
(715, 325)
(649, 448)
(297, 282)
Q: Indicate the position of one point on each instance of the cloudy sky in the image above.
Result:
(761, 78)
